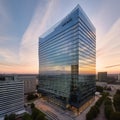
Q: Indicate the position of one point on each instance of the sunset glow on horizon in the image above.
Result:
(23, 22)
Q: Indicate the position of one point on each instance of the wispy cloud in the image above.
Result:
(109, 51)
(29, 44)
(6, 53)
(108, 46)
(111, 37)
(111, 66)
(7, 57)
(7, 39)
(28, 52)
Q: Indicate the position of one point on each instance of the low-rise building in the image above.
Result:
(102, 84)
(30, 82)
(102, 76)
(118, 77)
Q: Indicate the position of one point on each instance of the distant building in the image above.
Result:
(102, 76)
(102, 84)
(118, 78)
(67, 57)
(30, 82)
(11, 95)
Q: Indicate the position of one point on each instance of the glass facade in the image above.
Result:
(67, 60)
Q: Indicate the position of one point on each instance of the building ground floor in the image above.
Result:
(63, 114)
(64, 103)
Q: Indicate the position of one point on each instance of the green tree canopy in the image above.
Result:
(6, 117)
(32, 105)
(12, 116)
(115, 116)
(26, 116)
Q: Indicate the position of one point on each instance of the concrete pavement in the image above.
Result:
(56, 113)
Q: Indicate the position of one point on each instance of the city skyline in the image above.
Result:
(23, 22)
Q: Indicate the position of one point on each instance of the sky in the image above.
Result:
(22, 22)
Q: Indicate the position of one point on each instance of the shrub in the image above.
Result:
(6, 117)
(108, 111)
(108, 108)
(12, 116)
(118, 91)
(35, 112)
(116, 100)
(94, 111)
(115, 116)
(37, 115)
(89, 116)
(108, 101)
(31, 96)
(40, 117)
(26, 116)
(32, 105)
(99, 89)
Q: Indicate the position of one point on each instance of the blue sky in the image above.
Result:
(23, 21)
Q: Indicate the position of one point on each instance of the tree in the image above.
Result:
(95, 111)
(37, 86)
(37, 115)
(35, 112)
(116, 100)
(40, 117)
(108, 111)
(12, 116)
(108, 101)
(6, 117)
(31, 96)
(92, 113)
(115, 116)
(118, 91)
(99, 89)
(108, 108)
(26, 116)
(89, 116)
(32, 105)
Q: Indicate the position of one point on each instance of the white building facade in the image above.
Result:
(30, 82)
(11, 95)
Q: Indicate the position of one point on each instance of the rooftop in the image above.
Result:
(53, 28)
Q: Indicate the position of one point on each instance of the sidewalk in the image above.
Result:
(82, 116)
(53, 111)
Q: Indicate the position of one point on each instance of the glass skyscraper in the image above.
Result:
(67, 60)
